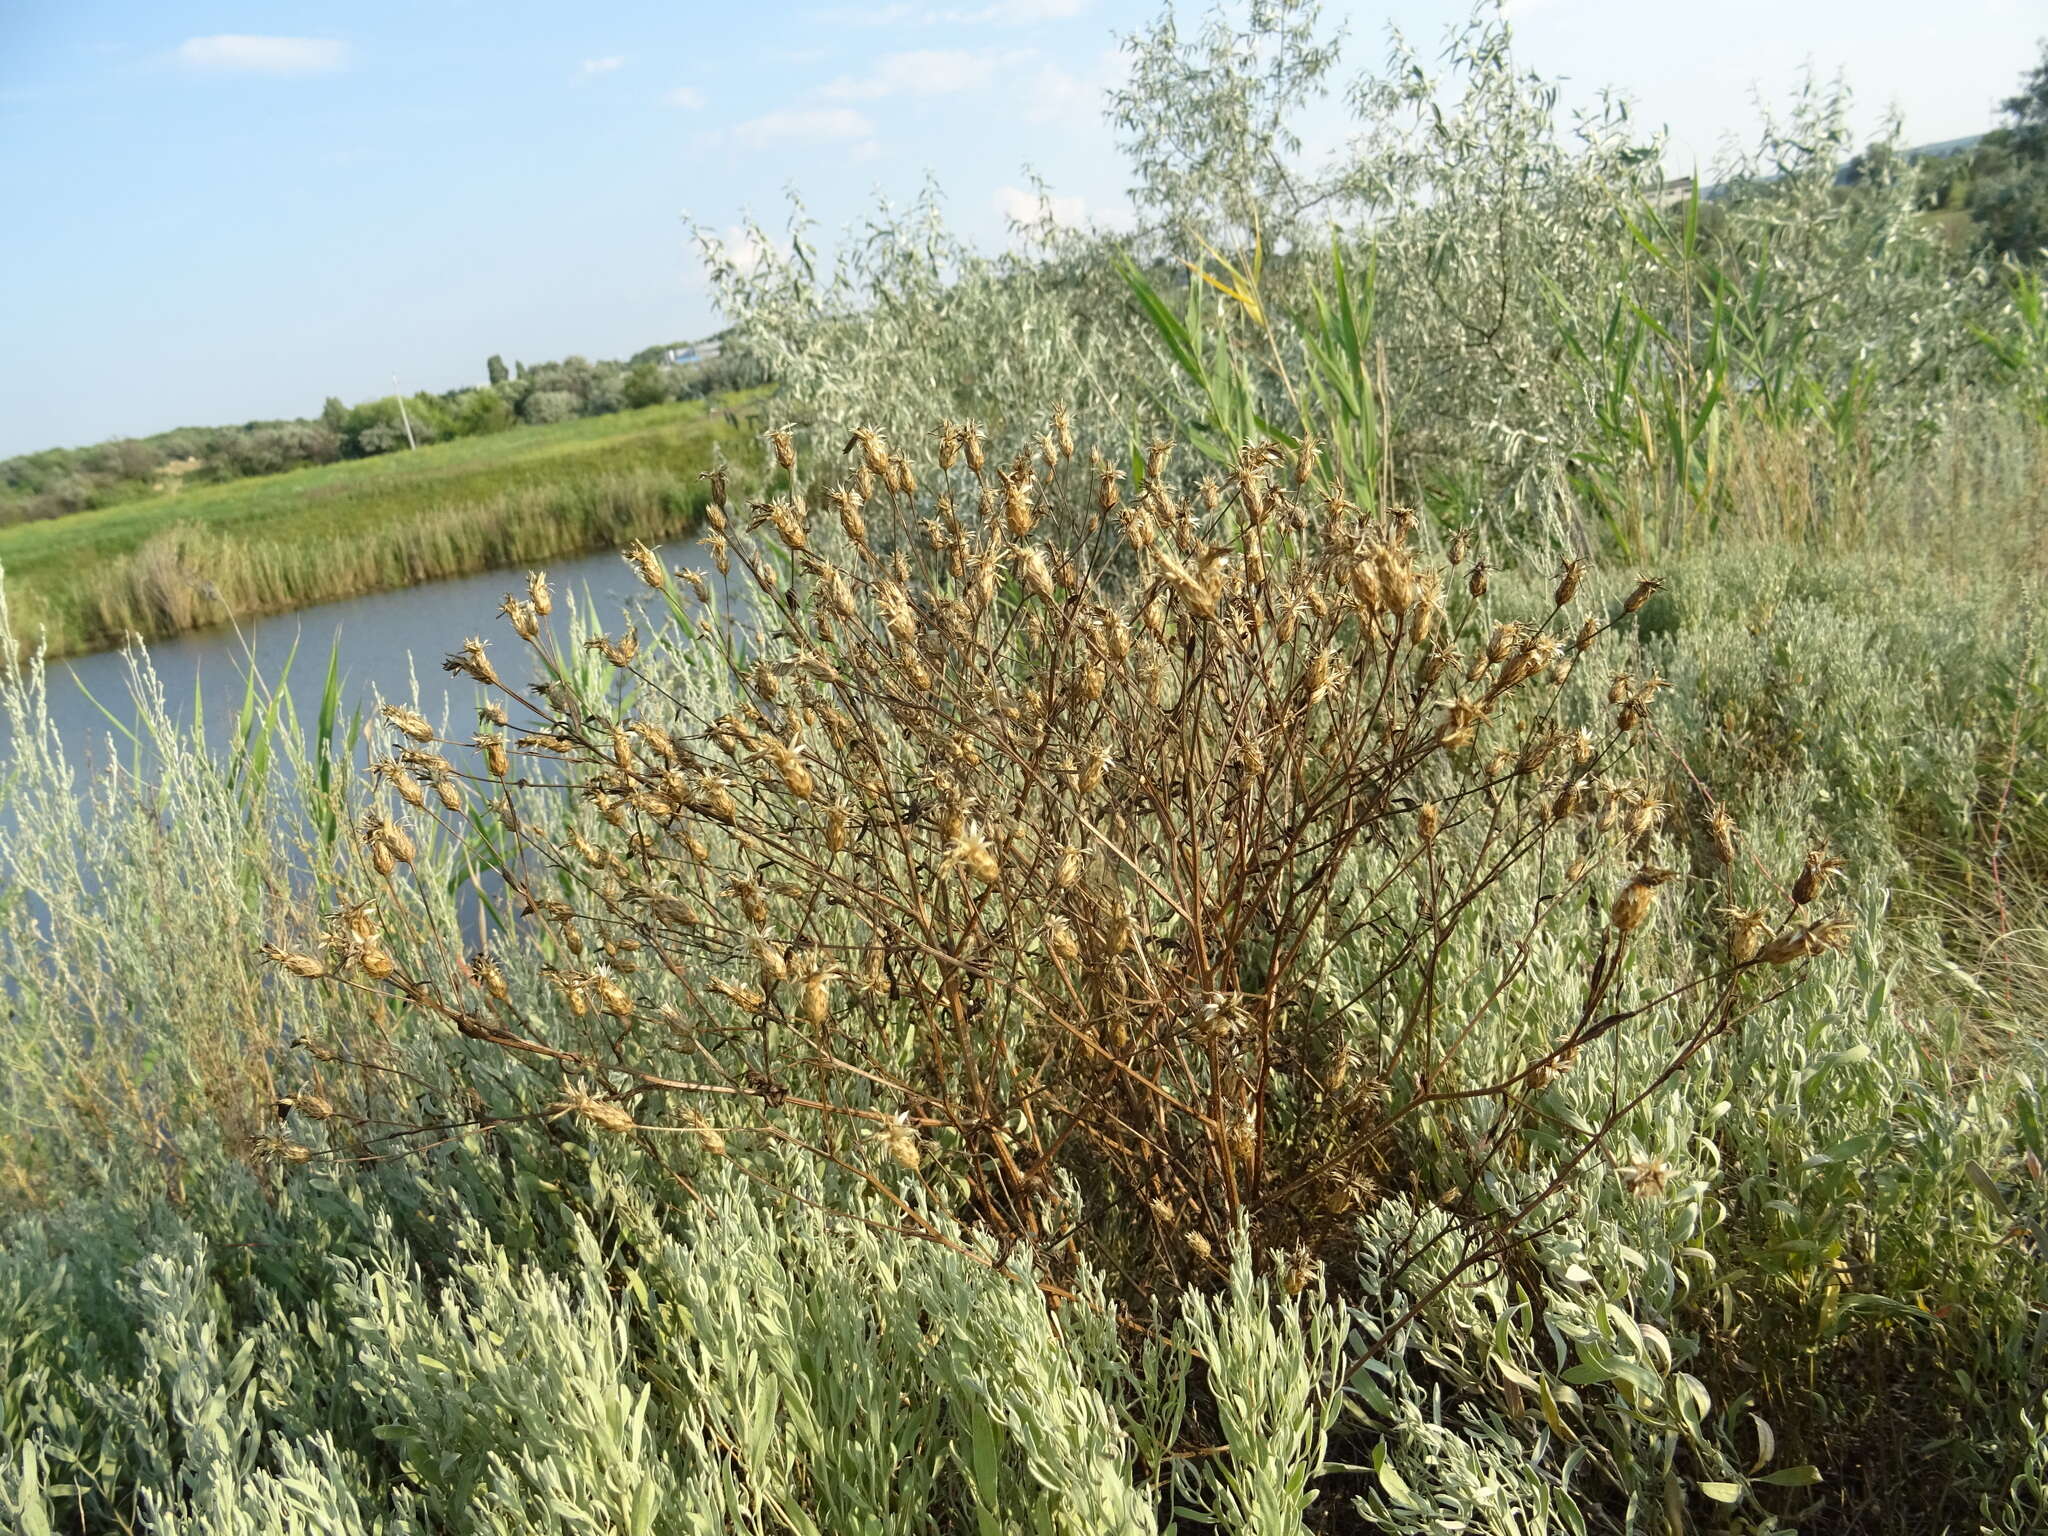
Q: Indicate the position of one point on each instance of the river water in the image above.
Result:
(385, 643)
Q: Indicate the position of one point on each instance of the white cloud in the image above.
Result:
(1054, 95)
(921, 72)
(1015, 13)
(1032, 208)
(688, 97)
(590, 69)
(802, 125)
(239, 53)
(1002, 13)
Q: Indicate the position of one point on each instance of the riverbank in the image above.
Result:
(188, 561)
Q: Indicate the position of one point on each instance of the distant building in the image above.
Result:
(693, 352)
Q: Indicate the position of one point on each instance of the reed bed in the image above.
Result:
(263, 546)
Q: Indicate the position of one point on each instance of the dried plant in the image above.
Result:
(1076, 864)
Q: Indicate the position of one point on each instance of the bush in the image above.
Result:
(1123, 886)
(543, 407)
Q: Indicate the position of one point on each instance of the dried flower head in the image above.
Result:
(1633, 905)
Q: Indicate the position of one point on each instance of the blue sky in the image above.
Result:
(219, 211)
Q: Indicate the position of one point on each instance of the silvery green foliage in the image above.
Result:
(1556, 329)
(1276, 1374)
(910, 324)
(1209, 124)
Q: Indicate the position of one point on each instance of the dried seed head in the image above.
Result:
(605, 1114)
(1814, 875)
(1427, 821)
(487, 974)
(1568, 582)
(707, 1134)
(1476, 583)
(1721, 828)
(643, 561)
(537, 593)
(1646, 589)
(1746, 930)
(305, 967)
(1633, 905)
(784, 446)
(1813, 939)
(312, 1105)
(970, 851)
(410, 721)
(1647, 1177)
(1305, 459)
(899, 1142)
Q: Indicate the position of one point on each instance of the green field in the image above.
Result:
(263, 545)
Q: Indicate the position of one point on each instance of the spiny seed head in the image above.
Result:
(1646, 589)
(537, 593)
(784, 445)
(1427, 821)
(1476, 583)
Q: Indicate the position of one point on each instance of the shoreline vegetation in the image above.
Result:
(169, 564)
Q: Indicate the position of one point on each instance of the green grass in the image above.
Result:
(276, 542)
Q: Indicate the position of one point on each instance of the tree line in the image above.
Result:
(58, 481)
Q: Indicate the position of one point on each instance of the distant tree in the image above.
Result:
(1877, 166)
(546, 406)
(645, 386)
(482, 411)
(333, 414)
(605, 392)
(496, 368)
(2027, 135)
(2009, 194)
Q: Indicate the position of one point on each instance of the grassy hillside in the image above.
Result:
(263, 545)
